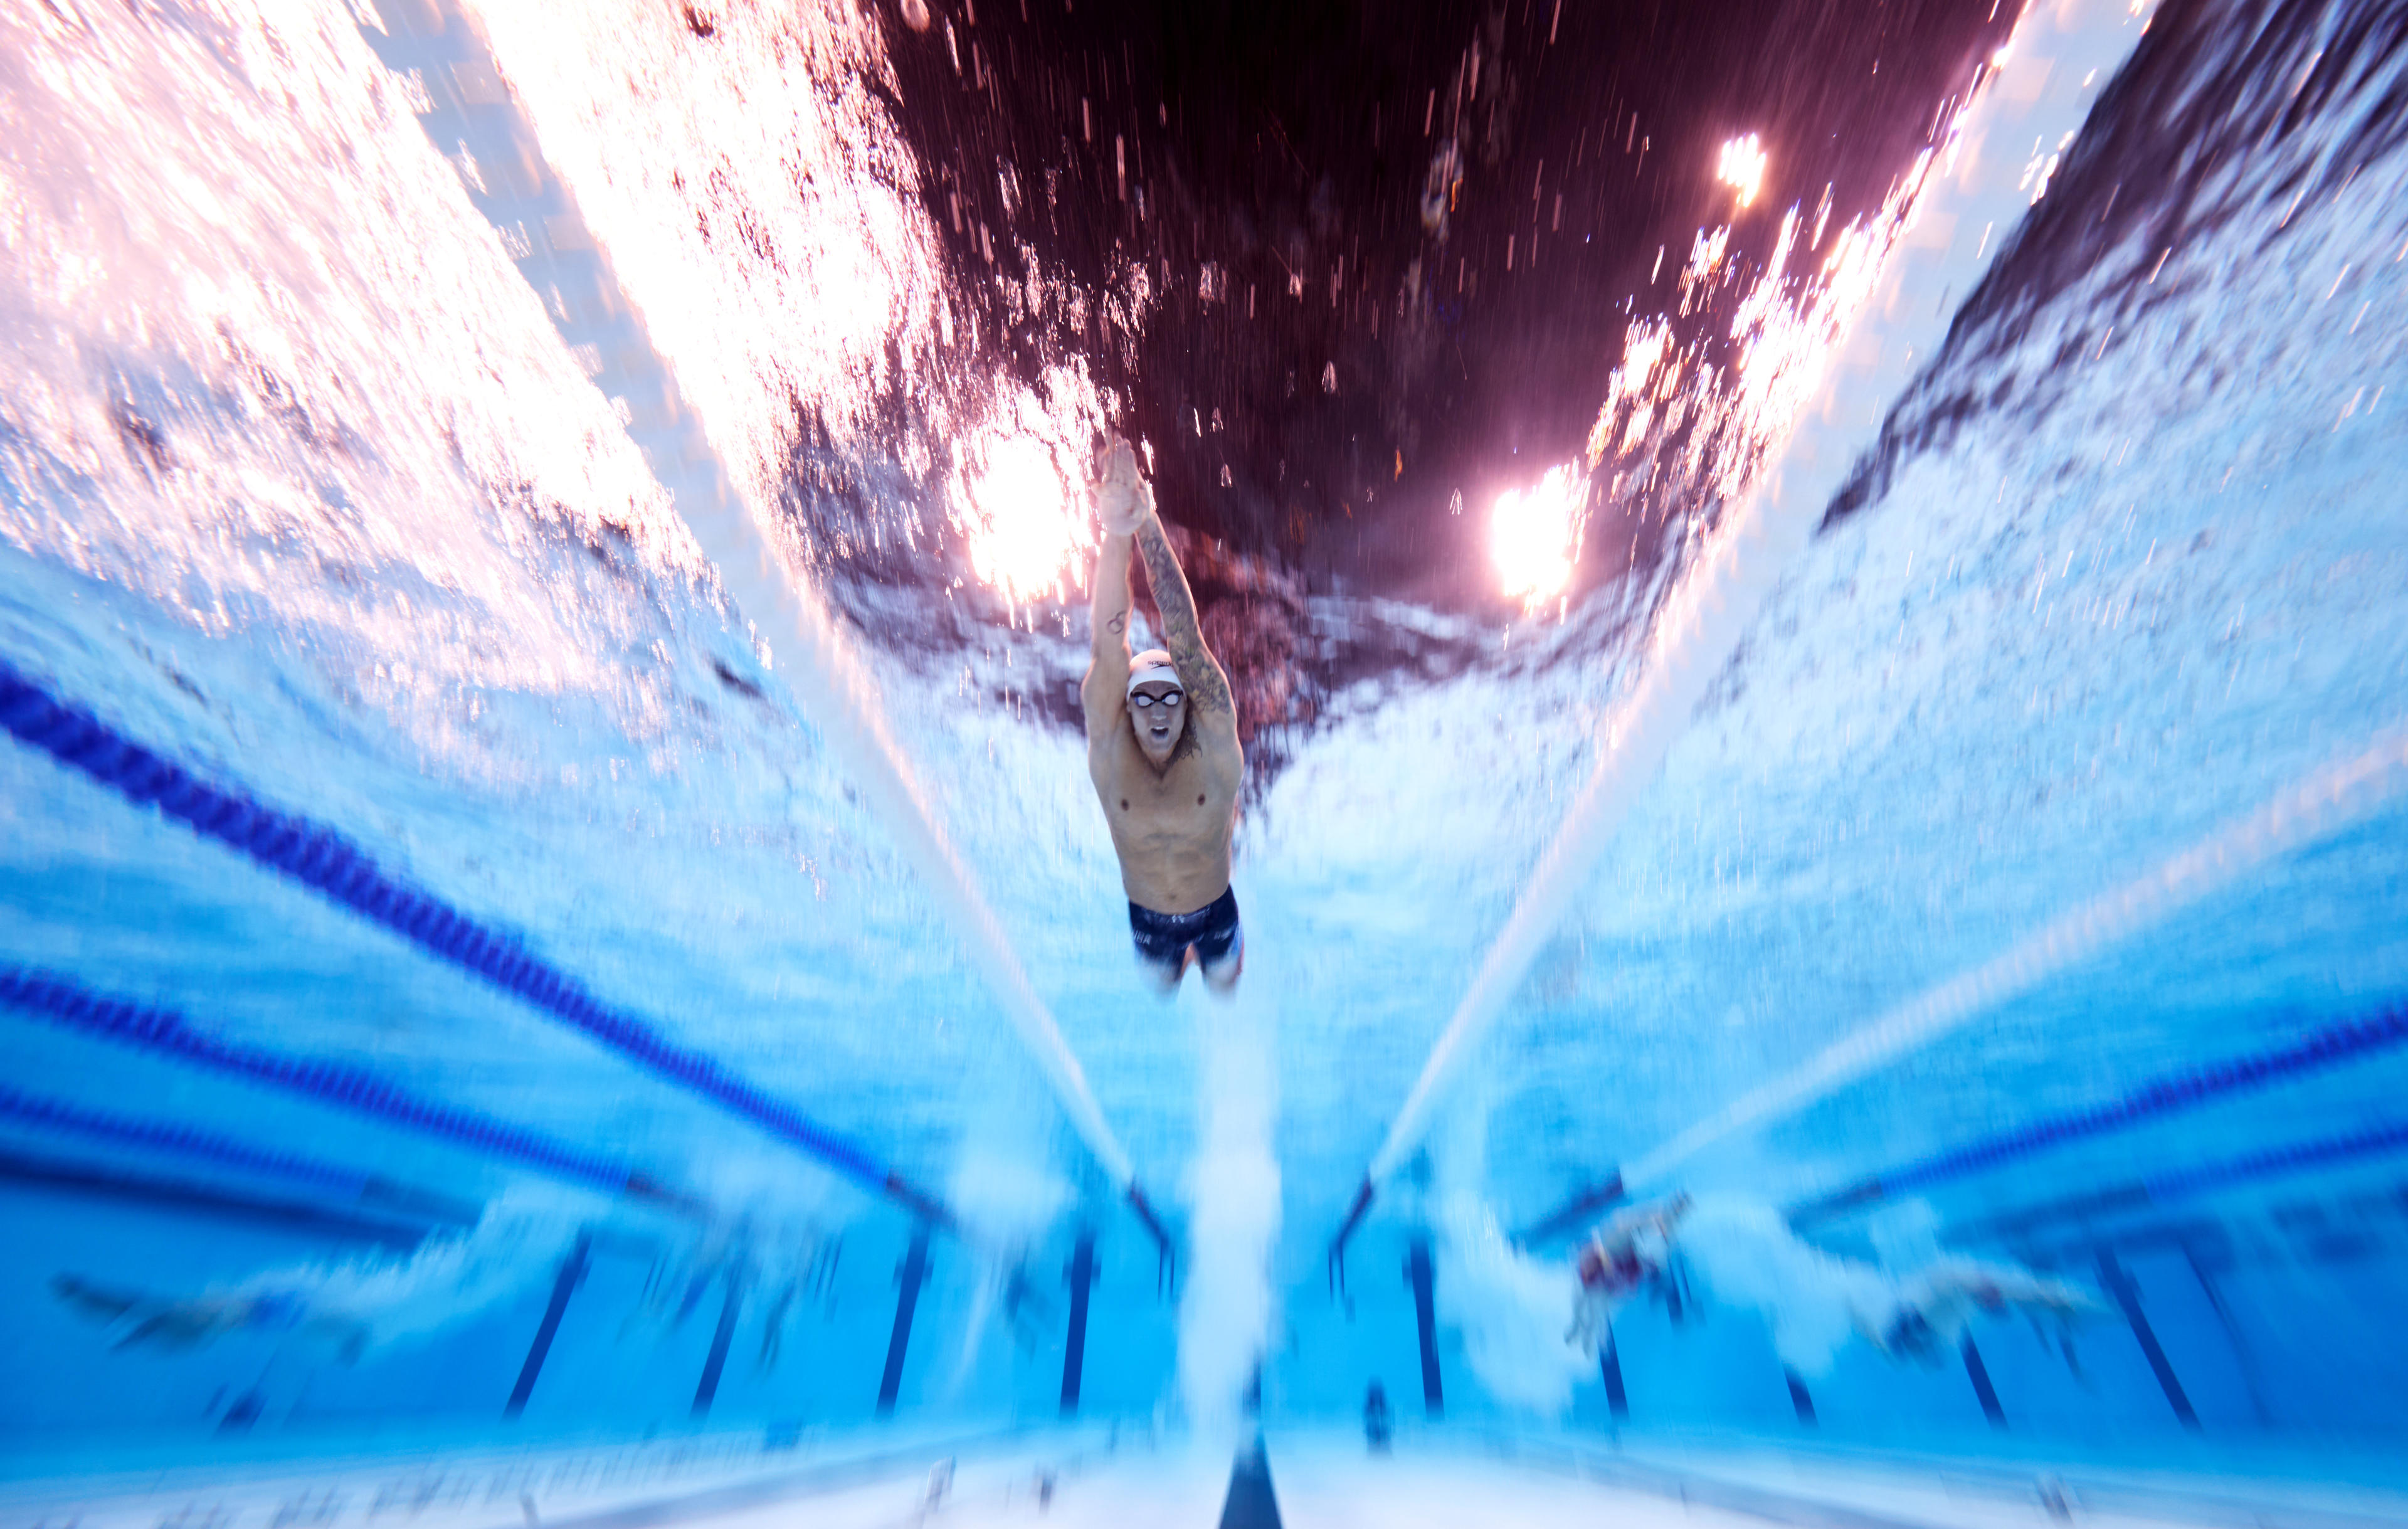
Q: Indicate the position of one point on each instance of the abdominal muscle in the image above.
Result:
(1174, 850)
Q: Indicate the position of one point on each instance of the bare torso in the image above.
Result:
(1172, 828)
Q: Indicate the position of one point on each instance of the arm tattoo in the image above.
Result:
(1118, 623)
(1185, 638)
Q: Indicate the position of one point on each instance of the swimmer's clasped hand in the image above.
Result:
(1123, 498)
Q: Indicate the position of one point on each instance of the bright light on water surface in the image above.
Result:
(1742, 167)
(1534, 535)
(1021, 500)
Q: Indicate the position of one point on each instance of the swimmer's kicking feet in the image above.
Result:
(1163, 750)
(1926, 1318)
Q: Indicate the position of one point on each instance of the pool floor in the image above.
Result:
(1122, 1476)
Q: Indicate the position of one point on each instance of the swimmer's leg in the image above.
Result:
(1161, 955)
(1222, 953)
(1162, 973)
(1223, 978)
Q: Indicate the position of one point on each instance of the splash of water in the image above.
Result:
(1515, 1311)
(443, 1284)
(765, 159)
(1812, 1302)
(768, 159)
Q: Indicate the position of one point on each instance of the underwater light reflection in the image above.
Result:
(1742, 167)
(768, 160)
(1534, 535)
(1019, 495)
(1686, 420)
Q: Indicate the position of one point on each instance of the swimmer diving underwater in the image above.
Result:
(1162, 749)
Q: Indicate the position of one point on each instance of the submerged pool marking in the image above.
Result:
(564, 1285)
(909, 1279)
(2128, 1300)
(731, 1303)
(1251, 1502)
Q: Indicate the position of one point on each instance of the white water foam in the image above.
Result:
(1815, 1303)
(1226, 1314)
(1515, 1311)
(1008, 1197)
(1749, 1258)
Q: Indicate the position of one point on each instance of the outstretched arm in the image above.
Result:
(1206, 683)
(1104, 689)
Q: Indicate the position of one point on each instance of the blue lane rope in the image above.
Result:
(164, 1032)
(2390, 1137)
(329, 862)
(177, 1139)
(2350, 1039)
(2156, 1191)
(1583, 1203)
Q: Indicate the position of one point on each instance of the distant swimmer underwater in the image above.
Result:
(1751, 1258)
(137, 1320)
(1630, 1252)
(1162, 748)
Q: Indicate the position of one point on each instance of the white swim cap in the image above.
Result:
(1151, 665)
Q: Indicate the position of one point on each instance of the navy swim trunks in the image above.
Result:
(1163, 939)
